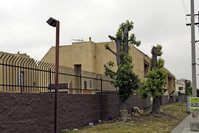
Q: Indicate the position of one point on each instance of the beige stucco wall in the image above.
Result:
(180, 84)
(170, 82)
(138, 61)
(70, 55)
(103, 56)
(92, 57)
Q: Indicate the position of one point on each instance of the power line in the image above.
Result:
(185, 7)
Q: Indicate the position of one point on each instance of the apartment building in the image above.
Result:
(91, 56)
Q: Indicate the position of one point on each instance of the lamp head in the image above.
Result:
(51, 21)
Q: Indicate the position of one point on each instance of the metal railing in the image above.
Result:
(21, 74)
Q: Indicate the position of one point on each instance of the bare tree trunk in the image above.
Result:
(123, 110)
(156, 106)
(154, 57)
(156, 101)
(118, 48)
(119, 41)
(126, 36)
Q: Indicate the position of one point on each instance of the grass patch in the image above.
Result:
(171, 115)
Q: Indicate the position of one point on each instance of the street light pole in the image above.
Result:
(55, 23)
(56, 71)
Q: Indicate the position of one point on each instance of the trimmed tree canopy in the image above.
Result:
(124, 78)
(156, 78)
(188, 88)
(152, 86)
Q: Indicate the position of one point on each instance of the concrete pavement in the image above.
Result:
(184, 126)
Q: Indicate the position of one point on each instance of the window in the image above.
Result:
(85, 85)
(180, 88)
(90, 84)
(20, 78)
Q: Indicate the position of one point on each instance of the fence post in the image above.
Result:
(50, 79)
(101, 85)
(80, 83)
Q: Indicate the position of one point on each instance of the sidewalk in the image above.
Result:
(184, 126)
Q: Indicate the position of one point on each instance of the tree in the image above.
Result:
(197, 92)
(124, 78)
(188, 88)
(156, 78)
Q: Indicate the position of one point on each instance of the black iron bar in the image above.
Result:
(101, 85)
(3, 70)
(18, 72)
(34, 76)
(21, 76)
(31, 76)
(28, 75)
(24, 73)
(13, 72)
(9, 71)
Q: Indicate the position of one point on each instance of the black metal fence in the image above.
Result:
(21, 74)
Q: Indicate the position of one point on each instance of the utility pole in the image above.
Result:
(194, 123)
(193, 50)
(193, 42)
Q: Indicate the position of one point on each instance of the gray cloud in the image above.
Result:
(23, 26)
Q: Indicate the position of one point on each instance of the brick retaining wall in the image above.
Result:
(77, 110)
(34, 113)
(183, 98)
(164, 100)
(26, 113)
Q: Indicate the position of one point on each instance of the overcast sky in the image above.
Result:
(23, 26)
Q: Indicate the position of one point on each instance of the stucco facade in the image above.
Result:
(180, 86)
(91, 56)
